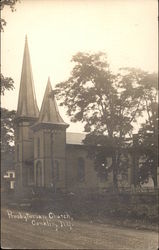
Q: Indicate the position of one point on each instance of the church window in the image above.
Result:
(17, 152)
(38, 174)
(30, 133)
(24, 177)
(81, 170)
(38, 147)
(18, 134)
(30, 175)
(18, 173)
(57, 170)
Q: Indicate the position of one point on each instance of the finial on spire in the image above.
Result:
(26, 38)
(49, 84)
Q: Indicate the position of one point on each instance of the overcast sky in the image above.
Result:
(125, 29)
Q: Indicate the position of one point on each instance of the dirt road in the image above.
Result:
(20, 234)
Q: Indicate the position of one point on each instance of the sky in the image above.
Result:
(125, 29)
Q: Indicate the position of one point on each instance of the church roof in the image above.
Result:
(27, 104)
(49, 112)
(75, 138)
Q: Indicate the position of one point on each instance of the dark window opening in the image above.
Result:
(18, 173)
(81, 170)
(38, 147)
(17, 152)
(38, 174)
(57, 172)
(18, 133)
(30, 175)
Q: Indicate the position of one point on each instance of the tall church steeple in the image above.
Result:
(49, 112)
(27, 104)
(27, 115)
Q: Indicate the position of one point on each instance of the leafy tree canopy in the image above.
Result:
(7, 126)
(148, 146)
(7, 131)
(109, 104)
(7, 117)
(11, 4)
(7, 83)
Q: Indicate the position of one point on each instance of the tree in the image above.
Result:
(7, 131)
(7, 83)
(7, 117)
(3, 3)
(148, 159)
(7, 139)
(148, 133)
(7, 127)
(148, 136)
(105, 102)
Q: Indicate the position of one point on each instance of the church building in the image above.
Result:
(46, 155)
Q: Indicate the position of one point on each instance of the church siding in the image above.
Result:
(73, 153)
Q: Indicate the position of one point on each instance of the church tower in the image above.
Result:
(50, 145)
(26, 116)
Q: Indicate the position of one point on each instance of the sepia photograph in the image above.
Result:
(79, 124)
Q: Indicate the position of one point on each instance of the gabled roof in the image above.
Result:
(49, 112)
(27, 104)
(75, 138)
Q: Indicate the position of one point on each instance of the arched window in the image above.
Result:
(38, 174)
(30, 175)
(17, 174)
(17, 134)
(57, 172)
(81, 170)
(17, 152)
(38, 147)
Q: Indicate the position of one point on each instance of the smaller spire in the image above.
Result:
(49, 112)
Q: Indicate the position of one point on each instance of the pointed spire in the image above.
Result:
(49, 112)
(27, 104)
